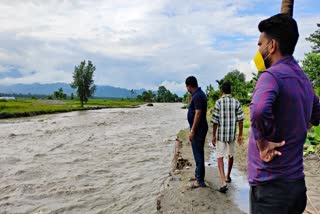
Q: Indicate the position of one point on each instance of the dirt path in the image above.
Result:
(177, 197)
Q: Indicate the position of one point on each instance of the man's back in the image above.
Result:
(226, 113)
(198, 101)
(281, 109)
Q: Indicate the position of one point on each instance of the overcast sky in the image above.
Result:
(138, 43)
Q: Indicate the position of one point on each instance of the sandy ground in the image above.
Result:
(177, 197)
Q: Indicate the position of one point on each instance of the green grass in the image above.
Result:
(30, 107)
(246, 123)
(312, 144)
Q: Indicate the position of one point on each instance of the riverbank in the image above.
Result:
(176, 195)
(32, 107)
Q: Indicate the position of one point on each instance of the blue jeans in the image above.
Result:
(198, 142)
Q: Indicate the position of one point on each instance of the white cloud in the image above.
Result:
(134, 44)
(3, 69)
(174, 87)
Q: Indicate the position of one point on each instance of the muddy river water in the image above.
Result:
(102, 161)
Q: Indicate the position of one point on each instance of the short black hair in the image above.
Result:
(282, 28)
(192, 81)
(226, 88)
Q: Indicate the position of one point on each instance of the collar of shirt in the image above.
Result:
(226, 95)
(198, 89)
(284, 60)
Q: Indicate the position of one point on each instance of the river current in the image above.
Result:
(99, 161)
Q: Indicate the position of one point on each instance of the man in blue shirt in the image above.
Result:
(198, 128)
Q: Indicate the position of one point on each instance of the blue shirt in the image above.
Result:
(282, 106)
(198, 102)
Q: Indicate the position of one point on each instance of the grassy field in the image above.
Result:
(31, 107)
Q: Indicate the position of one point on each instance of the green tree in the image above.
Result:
(220, 82)
(139, 98)
(212, 95)
(186, 98)
(60, 95)
(72, 96)
(252, 83)
(83, 81)
(164, 95)
(315, 39)
(311, 63)
(161, 93)
(168, 97)
(176, 98)
(133, 93)
(311, 66)
(148, 96)
(238, 83)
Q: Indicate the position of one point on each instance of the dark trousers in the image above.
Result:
(198, 142)
(279, 197)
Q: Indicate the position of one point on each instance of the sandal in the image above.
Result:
(200, 185)
(223, 189)
(194, 186)
(192, 179)
(228, 180)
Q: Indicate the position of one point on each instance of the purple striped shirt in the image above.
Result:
(282, 105)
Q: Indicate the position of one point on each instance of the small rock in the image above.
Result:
(158, 204)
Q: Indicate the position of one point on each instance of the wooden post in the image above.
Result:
(287, 7)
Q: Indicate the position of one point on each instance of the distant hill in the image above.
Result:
(47, 89)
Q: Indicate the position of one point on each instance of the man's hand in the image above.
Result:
(191, 135)
(214, 140)
(240, 139)
(267, 150)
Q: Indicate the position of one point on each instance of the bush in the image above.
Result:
(245, 101)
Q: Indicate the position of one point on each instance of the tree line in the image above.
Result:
(161, 95)
(241, 89)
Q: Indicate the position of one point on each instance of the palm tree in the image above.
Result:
(287, 7)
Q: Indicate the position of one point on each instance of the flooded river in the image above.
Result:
(103, 161)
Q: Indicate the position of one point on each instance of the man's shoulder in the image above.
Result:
(283, 68)
(200, 93)
(199, 96)
(219, 100)
(230, 98)
(236, 100)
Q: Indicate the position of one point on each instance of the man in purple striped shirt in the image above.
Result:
(283, 107)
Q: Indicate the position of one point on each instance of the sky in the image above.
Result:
(138, 43)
